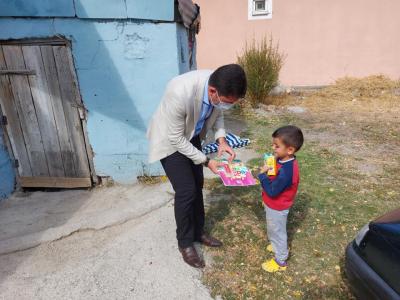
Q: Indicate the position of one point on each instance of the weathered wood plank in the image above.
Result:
(36, 42)
(71, 104)
(44, 110)
(26, 111)
(9, 146)
(62, 129)
(82, 110)
(55, 182)
(14, 131)
(89, 152)
(17, 72)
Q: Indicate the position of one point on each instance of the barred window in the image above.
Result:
(260, 9)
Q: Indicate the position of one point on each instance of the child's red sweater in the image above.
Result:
(280, 191)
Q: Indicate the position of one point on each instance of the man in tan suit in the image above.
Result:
(192, 105)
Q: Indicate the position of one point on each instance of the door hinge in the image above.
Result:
(4, 120)
(16, 163)
(82, 113)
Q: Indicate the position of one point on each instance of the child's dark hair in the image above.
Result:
(290, 135)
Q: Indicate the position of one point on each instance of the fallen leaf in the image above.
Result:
(297, 293)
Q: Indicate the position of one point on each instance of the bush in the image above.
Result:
(262, 63)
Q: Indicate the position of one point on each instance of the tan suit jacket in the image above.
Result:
(173, 124)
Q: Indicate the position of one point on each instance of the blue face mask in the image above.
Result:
(223, 105)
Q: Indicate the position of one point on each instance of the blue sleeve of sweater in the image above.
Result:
(274, 187)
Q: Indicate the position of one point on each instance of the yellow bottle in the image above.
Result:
(270, 162)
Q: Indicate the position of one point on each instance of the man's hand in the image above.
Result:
(224, 147)
(213, 165)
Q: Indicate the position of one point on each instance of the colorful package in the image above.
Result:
(235, 174)
(270, 162)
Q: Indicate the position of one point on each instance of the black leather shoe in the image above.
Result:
(191, 257)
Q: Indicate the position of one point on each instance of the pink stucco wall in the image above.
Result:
(323, 39)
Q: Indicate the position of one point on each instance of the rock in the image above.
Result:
(295, 92)
(279, 90)
(296, 109)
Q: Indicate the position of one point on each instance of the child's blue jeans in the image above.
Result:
(276, 231)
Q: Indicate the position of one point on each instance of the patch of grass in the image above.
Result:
(151, 180)
(334, 201)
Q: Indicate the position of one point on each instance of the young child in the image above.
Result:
(279, 192)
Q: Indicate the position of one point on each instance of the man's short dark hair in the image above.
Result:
(290, 135)
(229, 80)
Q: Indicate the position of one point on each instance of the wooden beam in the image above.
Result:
(17, 72)
(37, 42)
(55, 182)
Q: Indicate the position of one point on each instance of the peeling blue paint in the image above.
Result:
(135, 46)
(7, 175)
(122, 69)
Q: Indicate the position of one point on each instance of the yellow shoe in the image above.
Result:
(272, 266)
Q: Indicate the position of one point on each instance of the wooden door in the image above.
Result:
(44, 116)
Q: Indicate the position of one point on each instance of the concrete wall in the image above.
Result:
(122, 66)
(323, 40)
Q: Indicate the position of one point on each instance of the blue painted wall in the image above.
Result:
(7, 176)
(37, 8)
(135, 9)
(151, 10)
(161, 10)
(122, 69)
(122, 66)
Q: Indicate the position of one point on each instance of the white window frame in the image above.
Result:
(253, 14)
